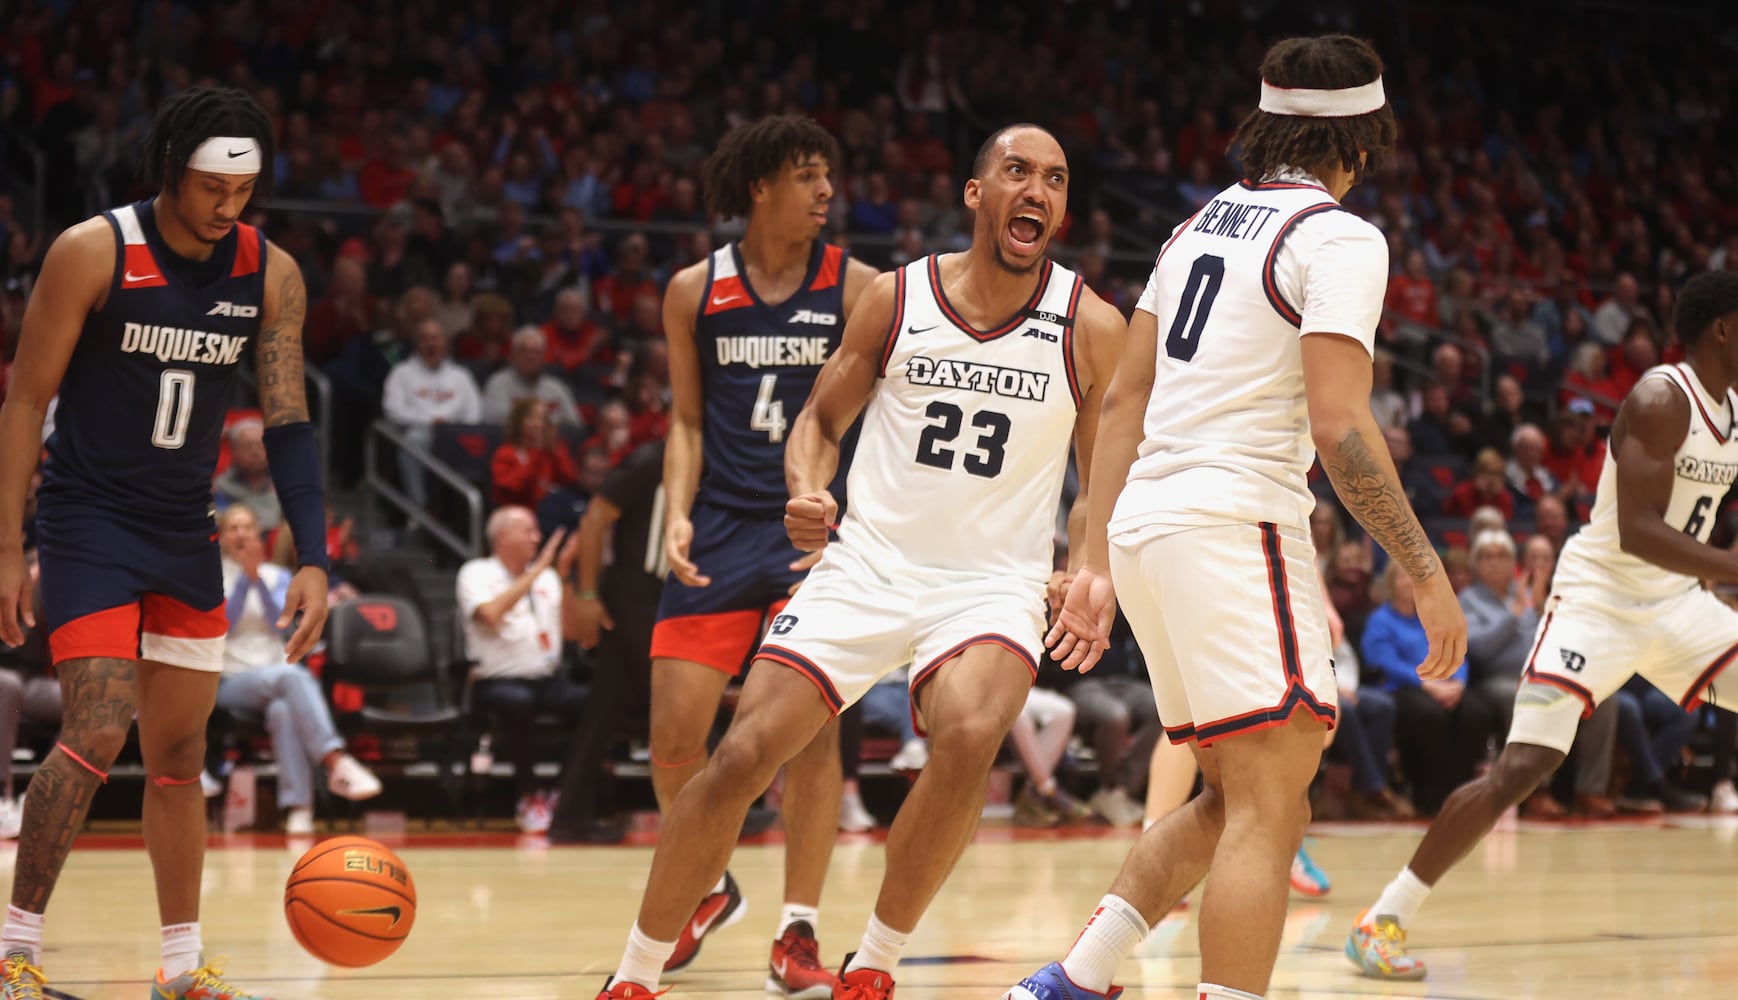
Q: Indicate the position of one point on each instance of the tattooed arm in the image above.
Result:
(1355, 457)
(291, 447)
(283, 391)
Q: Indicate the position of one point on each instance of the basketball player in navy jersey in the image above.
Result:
(748, 330)
(973, 374)
(141, 320)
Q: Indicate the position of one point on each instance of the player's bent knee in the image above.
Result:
(745, 764)
(968, 739)
(176, 757)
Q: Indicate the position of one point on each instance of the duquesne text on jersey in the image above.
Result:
(171, 343)
(1238, 220)
(756, 352)
(993, 379)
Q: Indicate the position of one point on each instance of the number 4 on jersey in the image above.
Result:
(769, 413)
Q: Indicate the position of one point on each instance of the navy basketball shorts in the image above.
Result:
(126, 591)
(748, 558)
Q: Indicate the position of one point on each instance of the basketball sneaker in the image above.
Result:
(613, 990)
(203, 983)
(716, 912)
(796, 969)
(1377, 946)
(864, 984)
(20, 979)
(1051, 983)
(1306, 878)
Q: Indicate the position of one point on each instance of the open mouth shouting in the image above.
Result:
(1026, 233)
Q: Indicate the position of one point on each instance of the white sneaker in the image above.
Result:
(1117, 808)
(534, 814)
(912, 756)
(11, 817)
(1724, 798)
(300, 821)
(853, 818)
(350, 780)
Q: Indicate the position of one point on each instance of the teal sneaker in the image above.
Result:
(1377, 946)
(20, 979)
(203, 983)
(1306, 878)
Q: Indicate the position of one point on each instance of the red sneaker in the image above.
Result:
(863, 984)
(796, 965)
(715, 912)
(613, 990)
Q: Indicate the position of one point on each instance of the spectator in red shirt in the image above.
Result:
(343, 314)
(483, 347)
(1590, 379)
(616, 291)
(385, 179)
(1488, 487)
(533, 460)
(648, 413)
(1638, 352)
(574, 340)
(1411, 302)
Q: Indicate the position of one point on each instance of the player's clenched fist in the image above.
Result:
(809, 518)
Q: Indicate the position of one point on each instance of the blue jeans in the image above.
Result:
(888, 707)
(1367, 732)
(515, 702)
(1641, 709)
(294, 708)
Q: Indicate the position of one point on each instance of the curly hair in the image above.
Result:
(1704, 299)
(757, 151)
(1325, 62)
(194, 115)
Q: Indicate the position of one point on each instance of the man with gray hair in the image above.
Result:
(248, 480)
(1526, 470)
(524, 376)
(511, 603)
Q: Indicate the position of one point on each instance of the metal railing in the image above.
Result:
(377, 485)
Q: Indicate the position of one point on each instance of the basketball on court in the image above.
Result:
(350, 901)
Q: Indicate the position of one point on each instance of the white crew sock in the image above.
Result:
(1112, 932)
(881, 949)
(794, 912)
(643, 961)
(181, 948)
(23, 930)
(1208, 991)
(1402, 899)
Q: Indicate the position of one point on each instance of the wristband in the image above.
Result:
(294, 458)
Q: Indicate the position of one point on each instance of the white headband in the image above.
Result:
(226, 155)
(1323, 103)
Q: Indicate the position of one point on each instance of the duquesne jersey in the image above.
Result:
(758, 363)
(1706, 465)
(140, 418)
(1227, 436)
(965, 441)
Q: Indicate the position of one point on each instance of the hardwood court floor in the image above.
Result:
(1648, 909)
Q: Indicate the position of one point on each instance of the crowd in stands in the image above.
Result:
(486, 200)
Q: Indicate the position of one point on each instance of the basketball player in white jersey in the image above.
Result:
(1627, 599)
(1248, 353)
(978, 369)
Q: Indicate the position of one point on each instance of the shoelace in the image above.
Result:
(1389, 939)
(210, 977)
(859, 990)
(806, 952)
(23, 978)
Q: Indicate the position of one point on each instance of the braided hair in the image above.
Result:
(187, 119)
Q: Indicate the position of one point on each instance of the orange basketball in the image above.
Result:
(350, 901)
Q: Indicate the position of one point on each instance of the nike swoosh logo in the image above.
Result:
(728, 299)
(379, 911)
(233, 153)
(783, 964)
(699, 927)
(914, 330)
(130, 276)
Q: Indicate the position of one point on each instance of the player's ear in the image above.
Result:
(974, 194)
(757, 190)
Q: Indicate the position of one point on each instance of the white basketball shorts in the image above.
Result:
(855, 620)
(1587, 646)
(1233, 624)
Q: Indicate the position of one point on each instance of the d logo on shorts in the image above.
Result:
(1572, 661)
(783, 624)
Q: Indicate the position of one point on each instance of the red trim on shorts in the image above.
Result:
(1694, 696)
(1530, 675)
(720, 640)
(988, 638)
(805, 666)
(112, 633)
(167, 617)
(1283, 621)
(828, 274)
